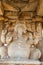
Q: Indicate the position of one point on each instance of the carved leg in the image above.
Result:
(35, 54)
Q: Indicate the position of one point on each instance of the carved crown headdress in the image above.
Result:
(19, 25)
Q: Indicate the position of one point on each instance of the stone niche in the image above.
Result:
(20, 32)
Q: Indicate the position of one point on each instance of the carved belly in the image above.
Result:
(18, 50)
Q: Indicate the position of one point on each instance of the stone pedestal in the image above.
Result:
(19, 62)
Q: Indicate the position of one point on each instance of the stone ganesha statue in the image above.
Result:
(22, 47)
(19, 48)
